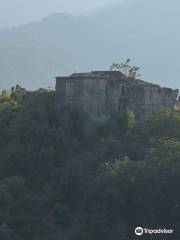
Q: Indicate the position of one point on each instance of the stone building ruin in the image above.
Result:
(103, 93)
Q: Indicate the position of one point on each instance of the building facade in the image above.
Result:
(103, 93)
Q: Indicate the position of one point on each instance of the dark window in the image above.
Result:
(124, 106)
(152, 108)
(106, 90)
(119, 105)
(150, 94)
(69, 88)
(106, 106)
(123, 90)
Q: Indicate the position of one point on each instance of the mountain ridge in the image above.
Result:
(33, 54)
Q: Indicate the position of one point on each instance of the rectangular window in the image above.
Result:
(69, 88)
(150, 94)
(119, 105)
(123, 90)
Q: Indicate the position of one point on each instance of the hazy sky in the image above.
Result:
(16, 12)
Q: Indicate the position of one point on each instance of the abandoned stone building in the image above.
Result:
(103, 93)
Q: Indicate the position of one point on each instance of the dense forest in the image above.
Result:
(64, 177)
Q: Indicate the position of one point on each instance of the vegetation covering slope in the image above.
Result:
(63, 177)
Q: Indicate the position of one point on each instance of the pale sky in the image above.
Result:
(17, 12)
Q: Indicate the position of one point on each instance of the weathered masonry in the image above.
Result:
(103, 93)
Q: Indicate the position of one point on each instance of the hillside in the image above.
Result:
(32, 55)
(63, 177)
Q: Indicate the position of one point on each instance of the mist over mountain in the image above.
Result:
(19, 12)
(145, 31)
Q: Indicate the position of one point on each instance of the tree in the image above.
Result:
(126, 69)
(164, 124)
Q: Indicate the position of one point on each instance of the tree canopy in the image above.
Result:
(63, 176)
(126, 69)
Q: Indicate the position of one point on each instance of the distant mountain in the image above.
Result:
(33, 54)
(145, 31)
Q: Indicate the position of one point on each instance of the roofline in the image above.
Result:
(142, 83)
(124, 78)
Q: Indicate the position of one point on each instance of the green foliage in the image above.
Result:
(114, 167)
(126, 69)
(64, 177)
(131, 119)
(163, 124)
